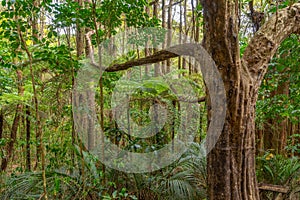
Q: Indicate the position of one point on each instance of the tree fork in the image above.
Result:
(231, 164)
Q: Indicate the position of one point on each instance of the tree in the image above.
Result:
(231, 164)
(39, 59)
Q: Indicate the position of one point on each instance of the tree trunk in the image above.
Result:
(15, 125)
(231, 164)
(157, 69)
(28, 133)
(169, 37)
(180, 35)
(79, 36)
(164, 25)
(1, 123)
(283, 89)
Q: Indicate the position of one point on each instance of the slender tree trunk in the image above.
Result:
(1, 123)
(169, 39)
(269, 136)
(91, 125)
(283, 89)
(157, 70)
(197, 18)
(186, 31)
(15, 125)
(42, 23)
(260, 142)
(180, 35)
(79, 36)
(147, 50)
(28, 134)
(34, 27)
(39, 131)
(164, 25)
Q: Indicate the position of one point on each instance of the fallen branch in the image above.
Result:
(273, 188)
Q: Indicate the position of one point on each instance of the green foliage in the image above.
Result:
(185, 179)
(276, 169)
(293, 147)
(284, 68)
(279, 170)
(110, 13)
(63, 184)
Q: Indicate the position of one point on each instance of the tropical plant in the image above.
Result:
(64, 184)
(279, 170)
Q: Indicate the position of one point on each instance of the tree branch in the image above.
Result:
(156, 57)
(90, 47)
(193, 100)
(273, 188)
(266, 41)
(153, 2)
(172, 52)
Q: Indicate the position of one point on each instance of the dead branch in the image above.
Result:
(273, 188)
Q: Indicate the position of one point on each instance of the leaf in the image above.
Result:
(114, 194)
(158, 85)
(23, 28)
(269, 170)
(280, 68)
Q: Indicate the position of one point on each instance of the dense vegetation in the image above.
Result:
(44, 44)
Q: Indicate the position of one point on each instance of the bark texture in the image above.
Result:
(231, 164)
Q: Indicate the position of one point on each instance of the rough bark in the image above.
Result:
(231, 164)
(266, 41)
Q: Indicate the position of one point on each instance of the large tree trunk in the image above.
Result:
(231, 164)
(231, 171)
